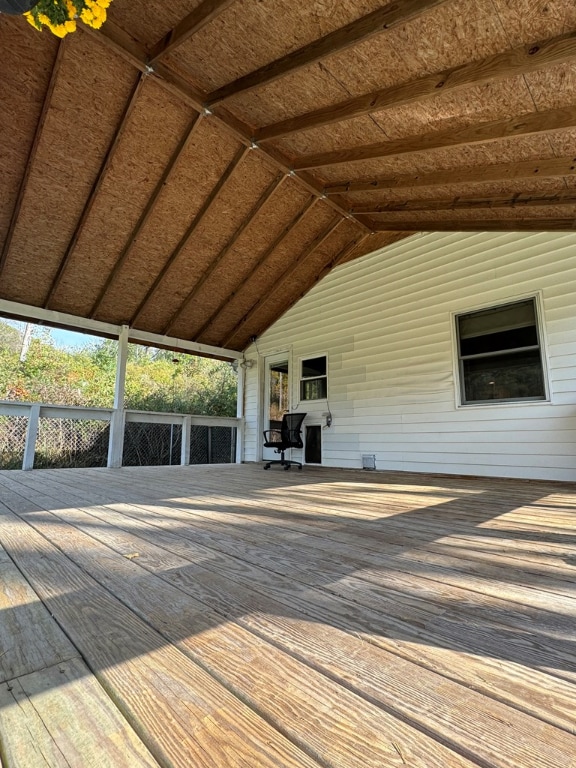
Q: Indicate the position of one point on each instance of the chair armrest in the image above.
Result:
(272, 436)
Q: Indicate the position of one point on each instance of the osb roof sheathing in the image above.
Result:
(124, 199)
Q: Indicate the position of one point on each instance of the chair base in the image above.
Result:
(283, 461)
(286, 463)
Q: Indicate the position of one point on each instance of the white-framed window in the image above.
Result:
(500, 355)
(314, 378)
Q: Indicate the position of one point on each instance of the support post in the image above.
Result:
(31, 435)
(117, 419)
(185, 451)
(240, 388)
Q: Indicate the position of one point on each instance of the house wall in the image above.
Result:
(386, 322)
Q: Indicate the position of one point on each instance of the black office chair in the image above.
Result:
(288, 436)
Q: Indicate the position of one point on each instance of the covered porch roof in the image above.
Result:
(225, 616)
(193, 168)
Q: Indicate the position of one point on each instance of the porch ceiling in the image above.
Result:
(194, 168)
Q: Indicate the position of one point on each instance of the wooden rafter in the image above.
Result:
(378, 21)
(32, 153)
(262, 200)
(517, 61)
(148, 209)
(292, 224)
(477, 225)
(114, 38)
(566, 197)
(283, 277)
(108, 157)
(520, 125)
(203, 14)
(208, 203)
(526, 169)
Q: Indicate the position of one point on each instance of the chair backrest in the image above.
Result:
(291, 429)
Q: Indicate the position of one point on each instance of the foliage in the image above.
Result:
(60, 15)
(156, 380)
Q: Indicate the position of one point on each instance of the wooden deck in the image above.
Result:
(225, 616)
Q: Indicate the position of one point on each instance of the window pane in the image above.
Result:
(497, 319)
(313, 389)
(494, 342)
(513, 376)
(314, 367)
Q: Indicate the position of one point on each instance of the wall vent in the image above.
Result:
(368, 461)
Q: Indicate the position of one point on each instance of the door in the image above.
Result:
(276, 395)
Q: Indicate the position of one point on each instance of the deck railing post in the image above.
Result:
(31, 435)
(118, 418)
(186, 431)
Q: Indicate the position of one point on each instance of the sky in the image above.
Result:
(61, 339)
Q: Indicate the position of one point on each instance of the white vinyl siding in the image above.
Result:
(385, 323)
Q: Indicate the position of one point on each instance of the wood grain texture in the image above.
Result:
(546, 168)
(203, 14)
(284, 233)
(477, 225)
(184, 715)
(361, 29)
(196, 221)
(518, 201)
(526, 58)
(299, 592)
(61, 716)
(32, 153)
(23, 651)
(522, 125)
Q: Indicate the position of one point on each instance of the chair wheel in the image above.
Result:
(266, 466)
(287, 469)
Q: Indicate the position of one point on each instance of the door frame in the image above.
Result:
(277, 356)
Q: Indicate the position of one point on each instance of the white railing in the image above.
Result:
(118, 420)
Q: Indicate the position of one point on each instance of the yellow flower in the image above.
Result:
(31, 20)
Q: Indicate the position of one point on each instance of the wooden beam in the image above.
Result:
(517, 61)
(32, 153)
(263, 199)
(149, 207)
(202, 15)
(114, 38)
(566, 197)
(255, 267)
(109, 156)
(526, 169)
(478, 225)
(520, 125)
(28, 313)
(280, 281)
(378, 21)
(208, 203)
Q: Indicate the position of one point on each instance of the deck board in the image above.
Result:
(328, 617)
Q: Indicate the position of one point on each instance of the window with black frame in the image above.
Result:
(500, 354)
(314, 379)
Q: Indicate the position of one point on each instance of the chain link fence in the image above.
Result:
(63, 442)
(212, 445)
(12, 441)
(147, 445)
(71, 443)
